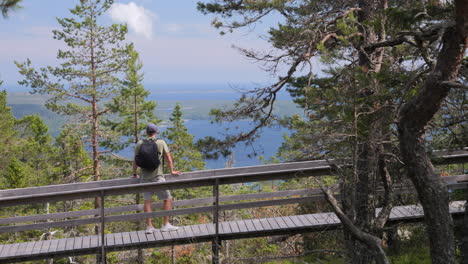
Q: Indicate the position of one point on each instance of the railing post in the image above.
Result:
(216, 243)
(103, 241)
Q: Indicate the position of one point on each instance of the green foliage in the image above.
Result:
(72, 161)
(7, 133)
(158, 257)
(15, 175)
(186, 156)
(8, 5)
(132, 110)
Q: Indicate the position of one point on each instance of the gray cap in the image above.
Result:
(151, 128)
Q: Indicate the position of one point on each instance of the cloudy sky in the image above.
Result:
(175, 41)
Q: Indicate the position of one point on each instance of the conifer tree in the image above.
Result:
(35, 149)
(185, 154)
(131, 106)
(15, 175)
(87, 73)
(7, 133)
(72, 160)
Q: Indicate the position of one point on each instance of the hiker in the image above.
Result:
(149, 155)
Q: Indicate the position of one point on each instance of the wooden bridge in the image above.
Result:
(214, 232)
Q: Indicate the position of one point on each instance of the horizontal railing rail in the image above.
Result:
(322, 166)
(453, 183)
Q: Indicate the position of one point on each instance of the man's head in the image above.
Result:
(151, 129)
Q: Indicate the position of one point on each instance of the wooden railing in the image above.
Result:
(213, 178)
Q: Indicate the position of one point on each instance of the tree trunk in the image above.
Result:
(413, 118)
(360, 201)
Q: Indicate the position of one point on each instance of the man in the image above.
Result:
(158, 150)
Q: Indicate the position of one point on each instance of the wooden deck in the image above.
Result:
(194, 234)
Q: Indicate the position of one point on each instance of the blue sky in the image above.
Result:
(176, 42)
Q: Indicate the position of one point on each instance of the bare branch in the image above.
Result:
(372, 242)
(454, 85)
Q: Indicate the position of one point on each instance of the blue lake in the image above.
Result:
(266, 145)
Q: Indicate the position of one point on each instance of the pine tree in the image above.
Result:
(183, 150)
(15, 175)
(87, 75)
(35, 149)
(72, 161)
(7, 133)
(131, 106)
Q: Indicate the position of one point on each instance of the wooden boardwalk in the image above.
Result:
(195, 234)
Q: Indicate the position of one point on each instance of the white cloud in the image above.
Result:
(137, 17)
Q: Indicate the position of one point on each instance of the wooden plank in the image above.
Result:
(320, 218)
(396, 211)
(142, 237)
(265, 224)
(149, 237)
(317, 218)
(158, 235)
(211, 229)
(134, 237)
(1, 249)
(297, 222)
(21, 249)
(196, 230)
(6, 250)
(53, 245)
(224, 228)
(110, 241)
(288, 222)
(271, 221)
(281, 223)
(182, 232)
(25, 249)
(78, 243)
(95, 241)
(242, 226)
(13, 249)
(18, 228)
(166, 235)
(258, 226)
(175, 234)
(304, 220)
(189, 232)
(45, 246)
(118, 240)
(234, 226)
(86, 243)
(126, 238)
(61, 245)
(37, 247)
(203, 230)
(248, 223)
(331, 218)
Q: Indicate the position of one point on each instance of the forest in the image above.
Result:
(393, 91)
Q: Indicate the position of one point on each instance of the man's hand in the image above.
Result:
(173, 172)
